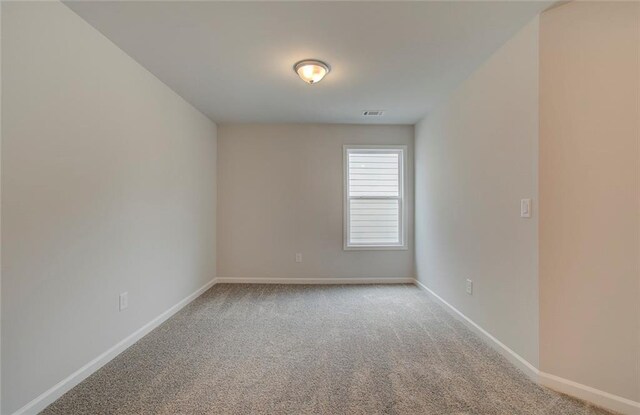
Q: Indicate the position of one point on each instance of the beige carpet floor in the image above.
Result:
(305, 349)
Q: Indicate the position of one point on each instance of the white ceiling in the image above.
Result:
(233, 60)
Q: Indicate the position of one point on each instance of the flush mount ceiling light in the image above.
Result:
(311, 71)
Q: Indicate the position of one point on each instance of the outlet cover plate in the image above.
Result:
(123, 301)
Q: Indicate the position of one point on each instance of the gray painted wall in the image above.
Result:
(475, 158)
(590, 194)
(281, 192)
(108, 185)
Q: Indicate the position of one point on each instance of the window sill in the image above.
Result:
(375, 248)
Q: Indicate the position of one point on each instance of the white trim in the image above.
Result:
(521, 363)
(317, 280)
(587, 393)
(376, 248)
(59, 389)
(401, 149)
(597, 397)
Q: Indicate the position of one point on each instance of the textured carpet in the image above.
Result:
(304, 349)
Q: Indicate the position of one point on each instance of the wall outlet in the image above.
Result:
(469, 288)
(525, 208)
(298, 257)
(124, 301)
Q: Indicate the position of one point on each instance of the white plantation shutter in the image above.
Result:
(374, 197)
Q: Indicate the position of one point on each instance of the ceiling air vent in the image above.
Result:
(375, 113)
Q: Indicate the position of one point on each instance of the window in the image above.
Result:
(374, 178)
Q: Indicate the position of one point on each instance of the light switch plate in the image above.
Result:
(525, 208)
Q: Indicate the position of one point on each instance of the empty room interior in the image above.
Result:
(320, 207)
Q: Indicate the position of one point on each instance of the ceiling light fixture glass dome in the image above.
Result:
(311, 70)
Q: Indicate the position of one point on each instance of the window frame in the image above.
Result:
(402, 210)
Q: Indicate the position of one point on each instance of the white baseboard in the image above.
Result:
(521, 363)
(587, 393)
(51, 395)
(597, 397)
(318, 280)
